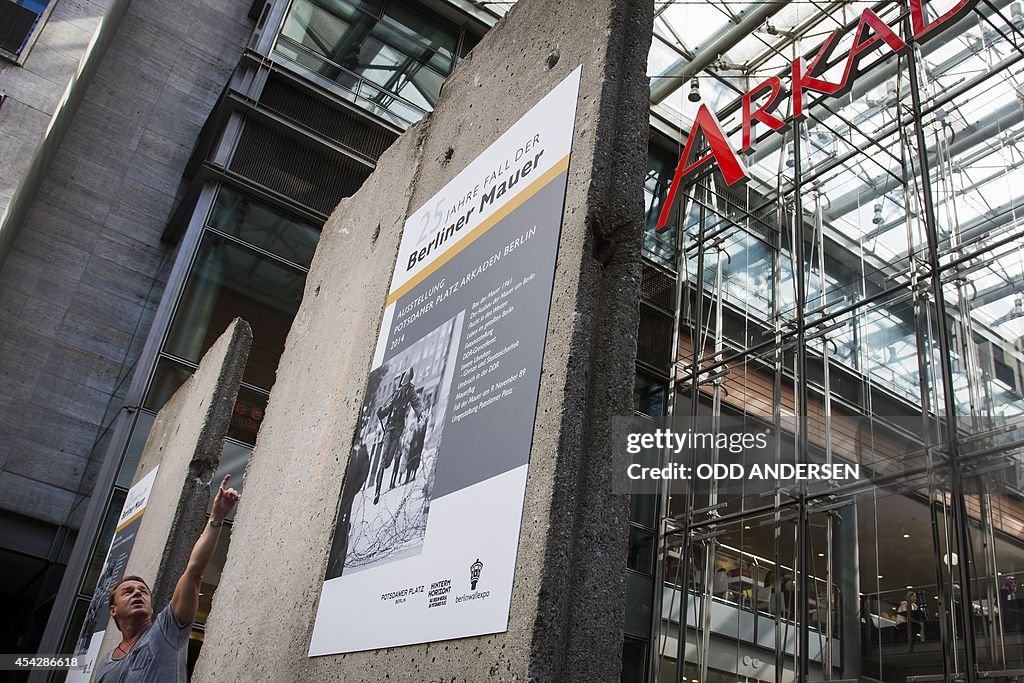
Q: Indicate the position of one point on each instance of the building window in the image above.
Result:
(18, 21)
(660, 247)
(252, 263)
(386, 57)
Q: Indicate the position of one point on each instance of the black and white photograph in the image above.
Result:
(97, 616)
(385, 499)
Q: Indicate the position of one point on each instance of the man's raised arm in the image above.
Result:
(185, 600)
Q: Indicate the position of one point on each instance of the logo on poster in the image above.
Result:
(474, 573)
(438, 595)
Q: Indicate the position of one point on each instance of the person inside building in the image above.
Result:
(1009, 606)
(764, 596)
(787, 591)
(153, 648)
(910, 618)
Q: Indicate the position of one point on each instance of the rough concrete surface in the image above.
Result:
(568, 599)
(186, 442)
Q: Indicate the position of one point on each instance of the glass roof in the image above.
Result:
(732, 46)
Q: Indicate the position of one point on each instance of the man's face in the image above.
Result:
(132, 601)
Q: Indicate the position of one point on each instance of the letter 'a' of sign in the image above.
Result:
(732, 168)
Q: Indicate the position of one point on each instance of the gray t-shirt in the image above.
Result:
(159, 656)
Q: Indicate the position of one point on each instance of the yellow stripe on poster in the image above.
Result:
(130, 520)
(497, 216)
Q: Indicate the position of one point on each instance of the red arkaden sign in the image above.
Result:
(871, 33)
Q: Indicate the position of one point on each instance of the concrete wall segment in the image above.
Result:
(568, 600)
(186, 442)
(283, 531)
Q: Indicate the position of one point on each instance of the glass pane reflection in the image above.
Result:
(229, 281)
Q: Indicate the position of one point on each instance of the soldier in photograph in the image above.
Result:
(393, 415)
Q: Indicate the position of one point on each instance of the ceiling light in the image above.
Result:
(821, 554)
(906, 535)
(694, 96)
(880, 576)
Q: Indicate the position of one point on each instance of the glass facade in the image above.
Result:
(390, 58)
(861, 296)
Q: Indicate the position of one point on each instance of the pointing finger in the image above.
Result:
(224, 483)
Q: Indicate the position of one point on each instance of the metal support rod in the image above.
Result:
(780, 646)
(997, 650)
(716, 409)
(920, 303)
(1013, 237)
(788, 337)
(819, 231)
(803, 526)
(695, 322)
(968, 348)
(707, 53)
(663, 510)
(961, 531)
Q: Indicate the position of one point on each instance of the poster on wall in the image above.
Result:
(428, 527)
(88, 647)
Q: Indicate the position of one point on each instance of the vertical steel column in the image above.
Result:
(997, 650)
(961, 531)
(819, 234)
(661, 523)
(716, 408)
(800, 384)
(968, 348)
(922, 333)
(700, 196)
(780, 358)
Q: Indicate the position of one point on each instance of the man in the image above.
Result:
(153, 649)
(392, 416)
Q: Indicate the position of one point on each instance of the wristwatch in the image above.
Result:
(216, 522)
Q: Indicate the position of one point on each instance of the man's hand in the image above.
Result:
(185, 600)
(225, 500)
